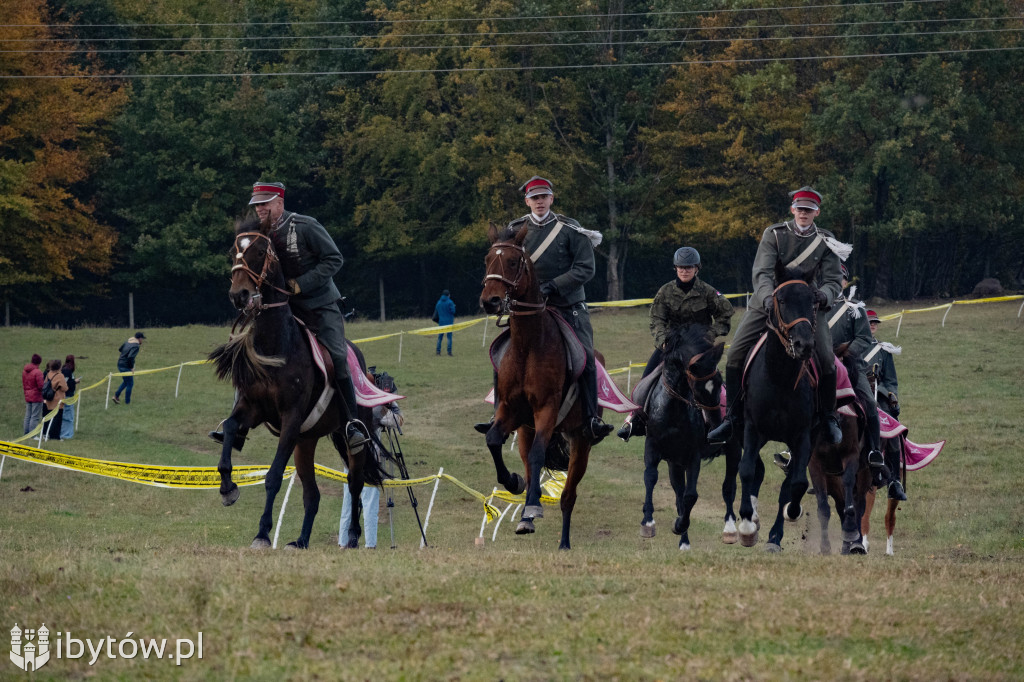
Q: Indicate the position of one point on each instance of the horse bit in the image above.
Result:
(510, 306)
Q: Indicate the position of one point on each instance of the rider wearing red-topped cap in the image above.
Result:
(563, 267)
(310, 259)
(804, 248)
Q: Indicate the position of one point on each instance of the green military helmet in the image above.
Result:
(686, 256)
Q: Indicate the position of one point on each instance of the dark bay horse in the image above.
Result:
(680, 406)
(780, 402)
(841, 472)
(531, 381)
(272, 368)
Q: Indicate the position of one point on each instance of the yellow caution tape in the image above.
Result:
(991, 300)
(200, 477)
(430, 331)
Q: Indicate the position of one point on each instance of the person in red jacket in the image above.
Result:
(32, 383)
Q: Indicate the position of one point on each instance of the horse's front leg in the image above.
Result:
(651, 461)
(579, 457)
(851, 517)
(532, 448)
(821, 496)
(304, 456)
(732, 468)
(285, 445)
(684, 483)
(496, 437)
(228, 489)
(749, 483)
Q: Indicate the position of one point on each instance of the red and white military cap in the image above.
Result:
(806, 197)
(263, 192)
(536, 186)
(873, 317)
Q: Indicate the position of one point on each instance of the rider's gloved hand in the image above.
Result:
(548, 289)
(821, 298)
(768, 303)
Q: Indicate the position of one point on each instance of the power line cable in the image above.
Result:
(368, 48)
(378, 22)
(522, 33)
(374, 72)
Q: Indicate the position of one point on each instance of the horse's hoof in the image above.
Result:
(352, 544)
(517, 485)
(684, 546)
(772, 548)
(260, 543)
(679, 527)
(533, 511)
(826, 549)
(647, 529)
(730, 538)
(229, 498)
(791, 519)
(294, 545)
(525, 527)
(864, 541)
(858, 549)
(850, 536)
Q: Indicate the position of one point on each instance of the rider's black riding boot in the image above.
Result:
(827, 400)
(356, 434)
(239, 441)
(635, 425)
(593, 427)
(734, 407)
(892, 457)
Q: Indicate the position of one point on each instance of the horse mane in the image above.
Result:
(693, 336)
(239, 359)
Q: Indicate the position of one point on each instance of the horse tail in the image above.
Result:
(240, 359)
(373, 469)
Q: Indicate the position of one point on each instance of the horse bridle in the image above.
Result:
(692, 380)
(510, 306)
(256, 304)
(782, 330)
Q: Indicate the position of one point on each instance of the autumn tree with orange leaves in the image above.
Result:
(53, 122)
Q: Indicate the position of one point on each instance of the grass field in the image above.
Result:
(98, 558)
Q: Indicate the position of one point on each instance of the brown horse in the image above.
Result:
(271, 366)
(893, 505)
(532, 380)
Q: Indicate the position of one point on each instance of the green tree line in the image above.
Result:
(405, 127)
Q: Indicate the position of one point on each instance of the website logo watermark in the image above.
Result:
(31, 649)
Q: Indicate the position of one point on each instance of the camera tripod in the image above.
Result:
(397, 460)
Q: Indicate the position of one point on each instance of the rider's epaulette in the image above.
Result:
(778, 226)
(512, 229)
(572, 222)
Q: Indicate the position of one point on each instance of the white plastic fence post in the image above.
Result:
(948, 308)
(280, 516)
(483, 523)
(401, 337)
(106, 405)
(483, 341)
(899, 324)
(180, 367)
(1020, 309)
(4, 459)
(78, 410)
(426, 521)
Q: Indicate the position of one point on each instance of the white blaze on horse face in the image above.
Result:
(710, 387)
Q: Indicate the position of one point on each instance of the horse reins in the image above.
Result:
(691, 381)
(512, 307)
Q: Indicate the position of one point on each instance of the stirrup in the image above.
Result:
(596, 430)
(896, 491)
(355, 436)
(876, 459)
(483, 427)
(625, 431)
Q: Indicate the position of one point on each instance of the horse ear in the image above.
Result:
(492, 231)
(521, 235)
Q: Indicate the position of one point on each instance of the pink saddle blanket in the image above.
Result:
(608, 394)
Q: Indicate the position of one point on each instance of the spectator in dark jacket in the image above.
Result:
(445, 311)
(32, 383)
(126, 363)
(68, 370)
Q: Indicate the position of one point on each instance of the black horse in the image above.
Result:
(780, 402)
(271, 366)
(679, 407)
